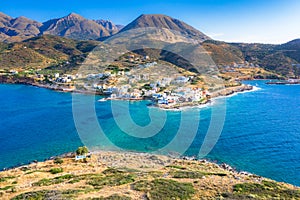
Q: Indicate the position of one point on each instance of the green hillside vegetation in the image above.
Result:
(51, 52)
(277, 58)
(291, 49)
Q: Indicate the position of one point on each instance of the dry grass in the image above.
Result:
(112, 175)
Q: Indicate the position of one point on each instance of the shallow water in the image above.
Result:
(260, 134)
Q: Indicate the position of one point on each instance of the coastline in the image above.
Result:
(29, 81)
(234, 93)
(209, 180)
(217, 94)
(226, 92)
(110, 159)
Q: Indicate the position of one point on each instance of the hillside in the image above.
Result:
(291, 49)
(223, 53)
(277, 58)
(120, 175)
(45, 51)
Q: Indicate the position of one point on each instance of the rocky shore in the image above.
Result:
(231, 90)
(32, 82)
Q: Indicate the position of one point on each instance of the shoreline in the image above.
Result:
(30, 82)
(71, 155)
(209, 180)
(226, 92)
(214, 95)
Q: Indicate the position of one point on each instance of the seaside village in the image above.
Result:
(163, 83)
(136, 77)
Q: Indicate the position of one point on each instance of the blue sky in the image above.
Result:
(267, 21)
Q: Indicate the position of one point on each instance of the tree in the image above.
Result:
(82, 150)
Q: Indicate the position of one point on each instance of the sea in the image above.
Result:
(257, 131)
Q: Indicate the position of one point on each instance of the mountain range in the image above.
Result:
(27, 42)
(72, 26)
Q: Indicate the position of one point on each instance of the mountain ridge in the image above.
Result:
(283, 59)
(72, 26)
(165, 22)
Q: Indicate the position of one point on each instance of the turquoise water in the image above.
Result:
(260, 134)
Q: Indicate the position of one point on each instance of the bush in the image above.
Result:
(113, 197)
(56, 170)
(165, 189)
(42, 182)
(56, 180)
(176, 167)
(266, 189)
(58, 160)
(7, 187)
(111, 180)
(82, 150)
(47, 194)
(187, 174)
(3, 179)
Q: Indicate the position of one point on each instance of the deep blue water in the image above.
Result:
(261, 133)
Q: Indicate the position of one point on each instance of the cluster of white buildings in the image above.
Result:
(65, 78)
(132, 58)
(180, 95)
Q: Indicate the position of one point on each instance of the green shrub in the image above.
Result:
(56, 180)
(58, 160)
(47, 194)
(216, 174)
(82, 150)
(3, 179)
(113, 197)
(176, 167)
(56, 170)
(187, 174)
(165, 189)
(7, 187)
(111, 180)
(42, 182)
(266, 189)
(111, 171)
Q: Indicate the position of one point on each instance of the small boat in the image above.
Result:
(102, 100)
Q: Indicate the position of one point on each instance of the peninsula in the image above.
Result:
(128, 175)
